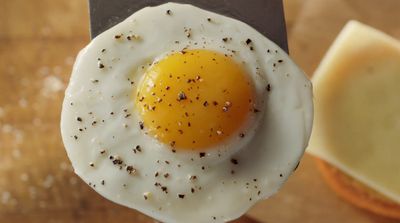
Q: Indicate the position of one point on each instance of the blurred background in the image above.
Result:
(39, 40)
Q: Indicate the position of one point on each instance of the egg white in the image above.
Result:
(275, 137)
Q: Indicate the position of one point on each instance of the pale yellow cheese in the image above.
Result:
(357, 108)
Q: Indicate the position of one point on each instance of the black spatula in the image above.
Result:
(264, 15)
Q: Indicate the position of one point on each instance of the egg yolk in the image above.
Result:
(194, 99)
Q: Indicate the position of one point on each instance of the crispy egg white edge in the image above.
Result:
(297, 103)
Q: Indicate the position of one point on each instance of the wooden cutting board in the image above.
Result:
(38, 43)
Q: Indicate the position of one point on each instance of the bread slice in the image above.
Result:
(357, 193)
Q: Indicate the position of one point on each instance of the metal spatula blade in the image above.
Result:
(264, 15)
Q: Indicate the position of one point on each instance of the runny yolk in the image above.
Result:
(195, 99)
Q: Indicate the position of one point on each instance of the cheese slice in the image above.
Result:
(357, 108)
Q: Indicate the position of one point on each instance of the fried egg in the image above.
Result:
(185, 115)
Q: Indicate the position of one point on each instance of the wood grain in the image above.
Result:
(38, 44)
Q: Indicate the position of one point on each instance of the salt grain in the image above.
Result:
(57, 70)
(18, 136)
(24, 177)
(37, 121)
(5, 197)
(73, 181)
(51, 85)
(32, 192)
(63, 166)
(42, 204)
(69, 61)
(23, 103)
(44, 71)
(16, 153)
(6, 128)
(48, 181)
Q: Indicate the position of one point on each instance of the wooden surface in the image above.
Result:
(38, 43)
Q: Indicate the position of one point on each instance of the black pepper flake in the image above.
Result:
(202, 154)
(209, 19)
(118, 36)
(166, 161)
(138, 148)
(164, 189)
(130, 169)
(127, 115)
(141, 125)
(181, 196)
(234, 161)
(75, 137)
(255, 110)
(192, 190)
(205, 104)
(103, 50)
(103, 182)
(91, 164)
(188, 32)
(181, 96)
(215, 103)
(79, 119)
(117, 161)
(241, 135)
(102, 151)
(214, 218)
(248, 41)
(168, 12)
(225, 39)
(268, 87)
(156, 174)
(193, 177)
(94, 122)
(100, 65)
(280, 175)
(166, 175)
(172, 143)
(280, 61)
